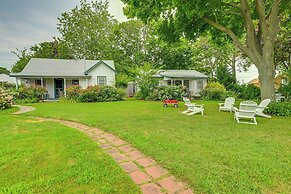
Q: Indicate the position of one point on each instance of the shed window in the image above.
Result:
(200, 84)
(75, 82)
(169, 82)
(101, 80)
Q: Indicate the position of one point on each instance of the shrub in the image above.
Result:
(171, 93)
(100, 94)
(286, 91)
(90, 94)
(121, 92)
(279, 108)
(73, 92)
(108, 93)
(248, 91)
(30, 93)
(5, 99)
(214, 91)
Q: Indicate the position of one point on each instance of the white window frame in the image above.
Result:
(103, 82)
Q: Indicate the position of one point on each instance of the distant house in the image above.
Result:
(58, 74)
(193, 80)
(278, 81)
(6, 79)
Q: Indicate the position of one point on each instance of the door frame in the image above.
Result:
(55, 86)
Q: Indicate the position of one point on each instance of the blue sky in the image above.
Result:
(24, 23)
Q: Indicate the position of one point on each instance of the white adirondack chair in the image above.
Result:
(192, 108)
(227, 105)
(246, 111)
(261, 107)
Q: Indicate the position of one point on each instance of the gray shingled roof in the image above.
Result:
(180, 74)
(59, 67)
(6, 78)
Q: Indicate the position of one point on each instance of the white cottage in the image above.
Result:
(58, 74)
(193, 80)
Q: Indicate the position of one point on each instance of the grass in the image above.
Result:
(46, 157)
(213, 153)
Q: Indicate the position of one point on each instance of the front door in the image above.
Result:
(59, 87)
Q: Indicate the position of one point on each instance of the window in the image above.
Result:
(187, 84)
(101, 80)
(178, 82)
(200, 84)
(75, 82)
(169, 82)
(37, 82)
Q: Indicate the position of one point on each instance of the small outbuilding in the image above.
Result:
(193, 80)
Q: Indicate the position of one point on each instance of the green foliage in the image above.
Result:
(279, 109)
(122, 80)
(23, 58)
(87, 30)
(30, 94)
(225, 77)
(171, 93)
(4, 70)
(93, 94)
(73, 92)
(285, 90)
(247, 91)
(147, 85)
(214, 91)
(6, 99)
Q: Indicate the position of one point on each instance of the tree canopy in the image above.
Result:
(256, 22)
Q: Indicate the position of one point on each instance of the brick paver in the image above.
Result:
(152, 179)
(139, 177)
(129, 167)
(170, 184)
(151, 188)
(156, 171)
(126, 148)
(136, 155)
(145, 162)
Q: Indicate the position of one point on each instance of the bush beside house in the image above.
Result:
(93, 94)
(6, 99)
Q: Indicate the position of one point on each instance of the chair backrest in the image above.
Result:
(187, 101)
(229, 102)
(263, 105)
(248, 108)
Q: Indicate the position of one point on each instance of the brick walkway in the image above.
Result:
(144, 171)
(23, 109)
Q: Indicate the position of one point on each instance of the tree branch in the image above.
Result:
(274, 19)
(229, 32)
(251, 38)
(261, 10)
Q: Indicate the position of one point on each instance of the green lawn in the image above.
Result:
(46, 157)
(213, 153)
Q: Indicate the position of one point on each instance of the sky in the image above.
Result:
(24, 23)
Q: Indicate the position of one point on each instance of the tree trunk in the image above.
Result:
(233, 67)
(266, 78)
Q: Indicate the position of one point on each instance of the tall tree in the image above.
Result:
(4, 70)
(87, 30)
(256, 21)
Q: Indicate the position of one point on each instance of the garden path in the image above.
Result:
(143, 170)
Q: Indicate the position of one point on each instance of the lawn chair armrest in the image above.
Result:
(199, 105)
(235, 109)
